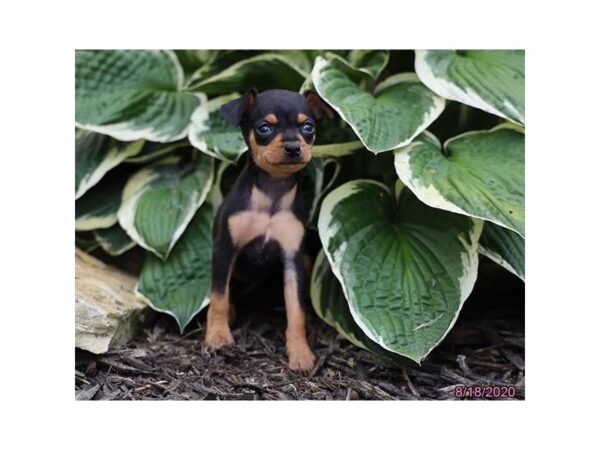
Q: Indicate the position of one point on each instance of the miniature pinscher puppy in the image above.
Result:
(261, 220)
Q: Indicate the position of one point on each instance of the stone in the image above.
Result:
(107, 312)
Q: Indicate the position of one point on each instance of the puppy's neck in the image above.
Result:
(267, 183)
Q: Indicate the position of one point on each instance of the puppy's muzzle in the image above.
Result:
(292, 150)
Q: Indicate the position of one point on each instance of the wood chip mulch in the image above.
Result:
(485, 348)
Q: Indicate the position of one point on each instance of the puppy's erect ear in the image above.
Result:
(318, 106)
(234, 111)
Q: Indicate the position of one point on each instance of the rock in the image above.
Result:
(107, 313)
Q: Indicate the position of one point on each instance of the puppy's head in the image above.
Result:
(278, 126)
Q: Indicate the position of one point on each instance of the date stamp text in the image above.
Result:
(475, 391)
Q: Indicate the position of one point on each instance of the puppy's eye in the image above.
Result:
(308, 127)
(264, 129)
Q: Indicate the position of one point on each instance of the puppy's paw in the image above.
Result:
(301, 359)
(218, 337)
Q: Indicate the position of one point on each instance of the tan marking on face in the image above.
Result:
(271, 119)
(299, 353)
(306, 147)
(302, 118)
(271, 159)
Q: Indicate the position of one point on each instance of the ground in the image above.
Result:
(485, 348)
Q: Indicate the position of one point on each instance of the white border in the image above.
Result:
(556, 293)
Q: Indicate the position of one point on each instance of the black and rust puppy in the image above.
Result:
(261, 220)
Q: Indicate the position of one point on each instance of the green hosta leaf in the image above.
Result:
(405, 270)
(215, 195)
(266, 71)
(357, 65)
(370, 62)
(212, 134)
(160, 200)
(96, 154)
(336, 150)
(334, 131)
(331, 306)
(482, 176)
(152, 151)
(98, 207)
(504, 247)
(133, 94)
(192, 60)
(335, 138)
(316, 184)
(114, 240)
(180, 285)
(217, 61)
(492, 80)
(400, 108)
(85, 243)
(300, 58)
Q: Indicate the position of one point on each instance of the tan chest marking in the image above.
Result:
(281, 226)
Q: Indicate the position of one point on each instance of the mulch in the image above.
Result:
(486, 348)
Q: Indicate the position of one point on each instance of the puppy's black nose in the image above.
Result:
(292, 149)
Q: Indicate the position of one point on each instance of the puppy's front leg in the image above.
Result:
(218, 333)
(300, 355)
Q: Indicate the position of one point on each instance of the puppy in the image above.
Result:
(261, 220)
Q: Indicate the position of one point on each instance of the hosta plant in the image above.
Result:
(420, 173)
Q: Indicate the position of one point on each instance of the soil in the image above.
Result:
(486, 348)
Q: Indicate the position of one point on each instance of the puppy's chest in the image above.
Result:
(267, 221)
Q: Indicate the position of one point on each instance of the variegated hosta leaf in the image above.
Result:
(405, 270)
(266, 71)
(492, 80)
(215, 195)
(133, 94)
(335, 138)
(212, 134)
(98, 207)
(300, 58)
(315, 184)
(192, 60)
(331, 306)
(152, 151)
(180, 285)
(357, 65)
(96, 154)
(400, 108)
(480, 174)
(114, 240)
(369, 62)
(160, 200)
(504, 247)
(336, 150)
(217, 61)
(85, 243)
